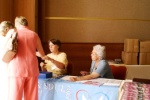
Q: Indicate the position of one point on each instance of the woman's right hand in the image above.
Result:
(73, 79)
(83, 73)
(45, 57)
(42, 64)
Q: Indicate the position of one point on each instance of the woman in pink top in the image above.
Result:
(23, 69)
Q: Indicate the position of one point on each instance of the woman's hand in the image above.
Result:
(73, 79)
(42, 65)
(45, 58)
(83, 73)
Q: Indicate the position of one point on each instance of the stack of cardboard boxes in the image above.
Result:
(144, 55)
(136, 52)
(131, 50)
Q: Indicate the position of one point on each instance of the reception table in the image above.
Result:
(96, 89)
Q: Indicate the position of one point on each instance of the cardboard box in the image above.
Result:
(144, 58)
(129, 58)
(131, 45)
(145, 46)
(45, 75)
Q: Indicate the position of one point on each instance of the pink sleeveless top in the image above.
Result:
(25, 63)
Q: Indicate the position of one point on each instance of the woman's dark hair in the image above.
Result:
(55, 42)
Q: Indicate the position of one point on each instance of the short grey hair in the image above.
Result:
(21, 21)
(100, 50)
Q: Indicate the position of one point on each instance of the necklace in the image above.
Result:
(95, 66)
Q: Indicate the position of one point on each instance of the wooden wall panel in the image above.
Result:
(89, 21)
(79, 53)
(6, 10)
(27, 9)
(41, 20)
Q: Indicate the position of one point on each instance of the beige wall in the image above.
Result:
(96, 20)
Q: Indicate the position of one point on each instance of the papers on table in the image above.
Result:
(97, 81)
(103, 81)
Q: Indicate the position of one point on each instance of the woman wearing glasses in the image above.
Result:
(99, 66)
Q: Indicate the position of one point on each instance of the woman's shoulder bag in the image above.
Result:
(10, 48)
